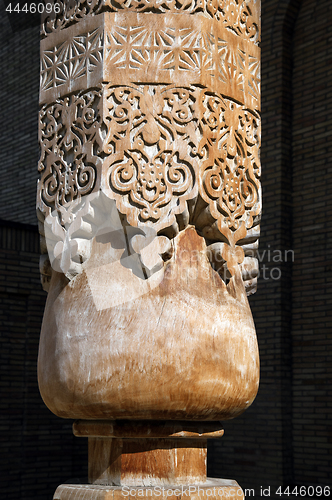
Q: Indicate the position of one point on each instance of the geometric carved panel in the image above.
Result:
(242, 17)
(150, 48)
(157, 105)
(71, 59)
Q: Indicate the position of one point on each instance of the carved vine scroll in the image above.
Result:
(156, 105)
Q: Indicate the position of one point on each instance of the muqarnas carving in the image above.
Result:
(149, 204)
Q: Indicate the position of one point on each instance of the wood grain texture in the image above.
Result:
(147, 462)
(157, 107)
(186, 350)
(216, 489)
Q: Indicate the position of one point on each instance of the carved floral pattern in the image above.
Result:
(167, 152)
(152, 149)
(70, 12)
(230, 178)
(239, 16)
(239, 72)
(151, 183)
(151, 174)
(69, 135)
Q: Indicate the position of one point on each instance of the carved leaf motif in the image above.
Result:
(229, 72)
(234, 192)
(153, 149)
(140, 47)
(241, 16)
(230, 177)
(70, 11)
(69, 141)
(151, 174)
(151, 184)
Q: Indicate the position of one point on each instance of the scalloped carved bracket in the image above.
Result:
(158, 116)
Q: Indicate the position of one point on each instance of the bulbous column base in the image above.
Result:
(185, 349)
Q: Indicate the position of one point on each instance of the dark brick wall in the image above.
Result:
(257, 448)
(38, 450)
(285, 437)
(312, 242)
(19, 91)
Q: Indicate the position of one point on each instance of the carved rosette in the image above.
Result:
(156, 106)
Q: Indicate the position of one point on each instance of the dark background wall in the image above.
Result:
(38, 450)
(285, 437)
(19, 84)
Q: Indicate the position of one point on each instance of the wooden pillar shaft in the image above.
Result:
(146, 462)
(147, 453)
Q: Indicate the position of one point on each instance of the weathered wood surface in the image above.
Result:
(147, 453)
(185, 350)
(147, 462)
(216, 489)
(149, 205)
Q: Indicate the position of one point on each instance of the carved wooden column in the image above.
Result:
(149, 206)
